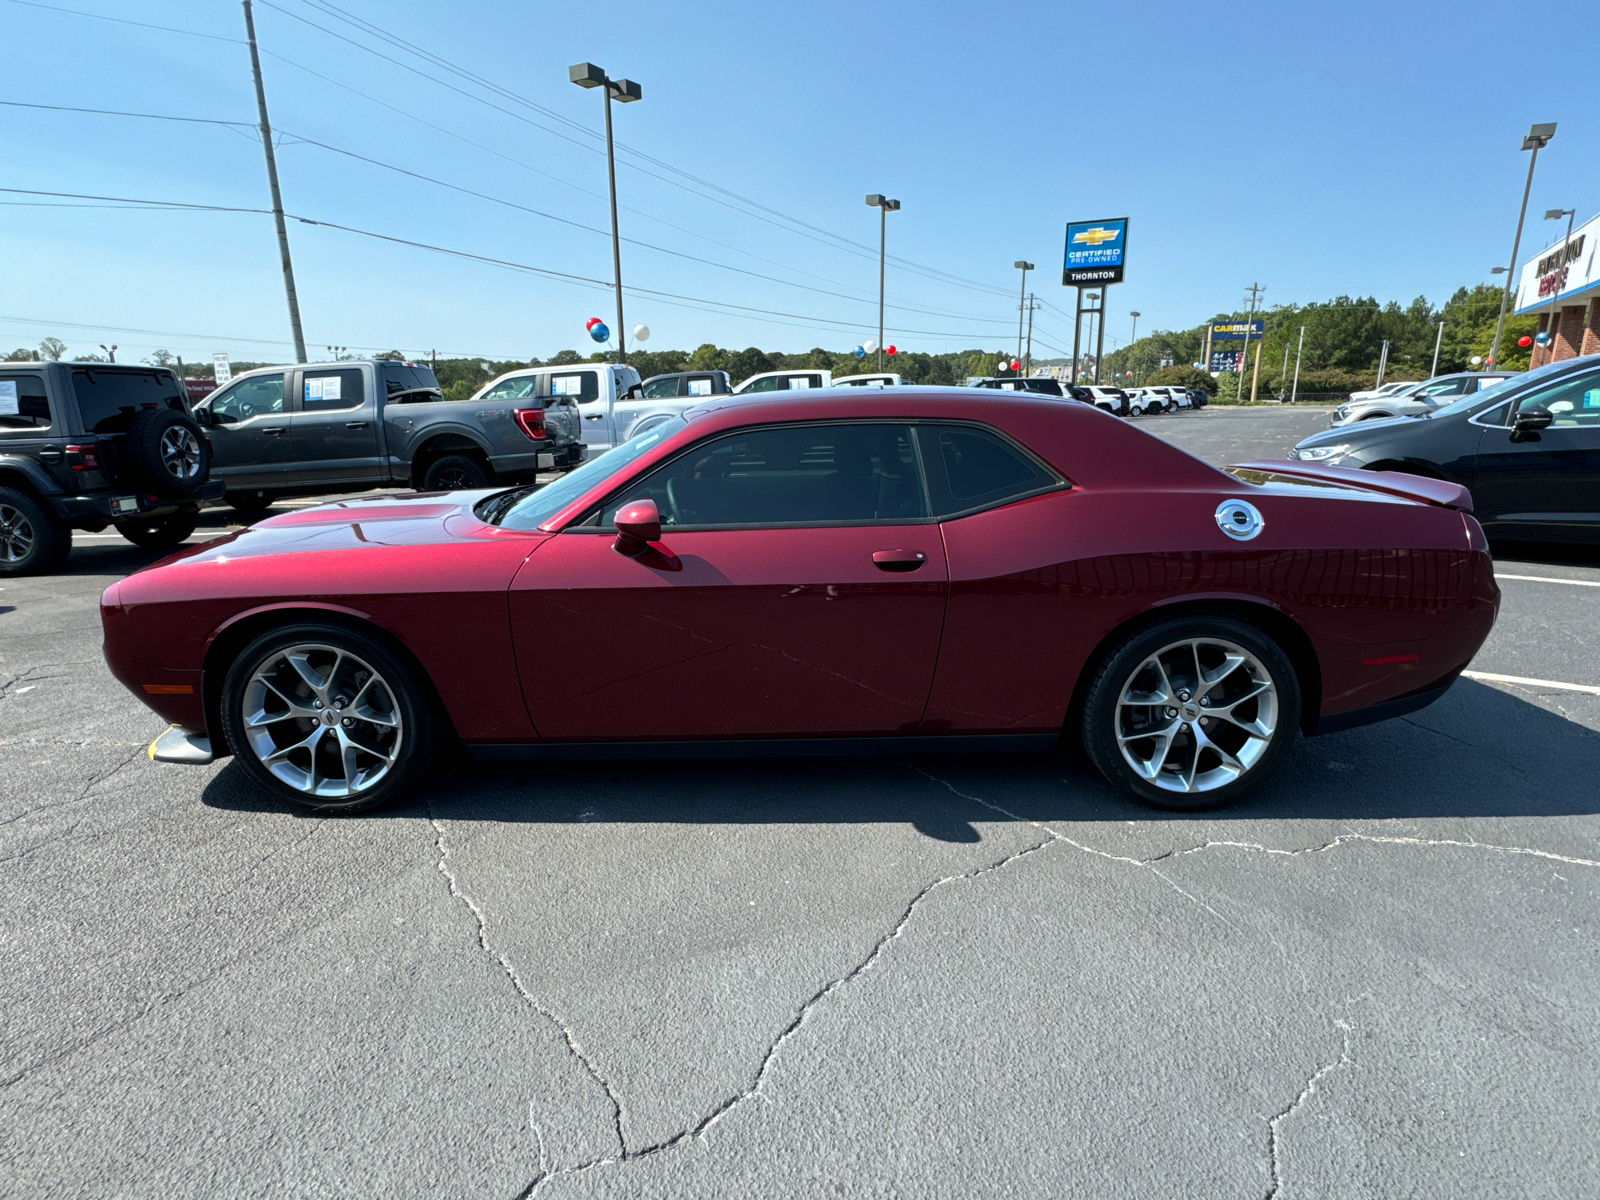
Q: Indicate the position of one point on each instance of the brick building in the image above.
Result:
(1562, 285)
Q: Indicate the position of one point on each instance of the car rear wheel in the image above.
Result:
(328, 718)
(1191, 713)
(456, 473)
(32, 541)
(159, 533)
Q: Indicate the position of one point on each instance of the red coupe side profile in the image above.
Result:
(905, 570)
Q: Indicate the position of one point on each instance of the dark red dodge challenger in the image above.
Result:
(904, 570)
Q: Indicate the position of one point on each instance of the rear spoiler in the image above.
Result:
(1391, 483)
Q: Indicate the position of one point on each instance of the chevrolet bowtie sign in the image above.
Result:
(1096, 252)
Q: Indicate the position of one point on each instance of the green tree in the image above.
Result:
(565, 358)
(20, 356)
(707, 357)
(1183, 375)
(52, 349)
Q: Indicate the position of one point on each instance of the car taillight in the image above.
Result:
(531, 422)
(83, 458)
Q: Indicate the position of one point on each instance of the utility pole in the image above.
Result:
(1022, 297)
(1295, 391)
(1077, 329)
(1285, 370)
(1100, 335)
(1027, 361)
(1132, 338)
(1437, 339)
(272, 182)
(1238, 392)
(1538, 137)
(1383, 363)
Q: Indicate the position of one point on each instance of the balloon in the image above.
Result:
(1015, 365)
(591, 322)
(890, 350)
(869, 345)
(859, 352)
(1542, 338)
(1525, 341)
(1476, 361)
(599, 332)
(641, 333)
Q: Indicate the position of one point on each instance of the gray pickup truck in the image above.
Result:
(325, 427)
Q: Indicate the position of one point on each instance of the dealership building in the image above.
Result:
(1562, 285)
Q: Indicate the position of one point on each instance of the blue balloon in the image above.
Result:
(859, 352)
(599, 332)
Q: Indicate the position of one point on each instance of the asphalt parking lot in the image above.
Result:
(1378, 976)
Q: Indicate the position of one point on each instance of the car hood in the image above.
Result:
(1343, 433)
(411, 519)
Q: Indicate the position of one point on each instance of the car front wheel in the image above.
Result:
(1191, 713)
(328, 718)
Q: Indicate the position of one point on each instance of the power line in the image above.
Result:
(215, 37)
(111, 112)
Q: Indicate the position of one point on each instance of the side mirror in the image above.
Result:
(638, 524)
(1527, 423)
(204, 416)
(636, 392)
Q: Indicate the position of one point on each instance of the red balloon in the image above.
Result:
(1015, 365)
(591, 322)
(888, 350)
(1524, 341)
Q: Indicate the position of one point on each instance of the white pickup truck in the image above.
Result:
(779, 381)
(610, 399)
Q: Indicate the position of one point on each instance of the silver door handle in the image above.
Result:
(272, 432)
(355, 424)
(593, 416)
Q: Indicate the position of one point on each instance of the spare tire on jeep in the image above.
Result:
(166, 452)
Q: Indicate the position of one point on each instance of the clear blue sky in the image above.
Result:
(1318, 149)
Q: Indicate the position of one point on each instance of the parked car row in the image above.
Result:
(1414, 399)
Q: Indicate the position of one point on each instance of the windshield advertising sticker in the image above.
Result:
(1096, 252)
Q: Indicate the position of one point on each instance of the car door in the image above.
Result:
(798, 590)
(249, 431)
(27, 430)
(594, 406)
(1551, 478)
(335, 427)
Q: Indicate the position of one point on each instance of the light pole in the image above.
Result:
(1294, 392)
(111, 352)
(1538, 138)
(1022, 300)
(1132, 338)
(624, 91)
(885, 206)
(1555, 214)
(1437, 339)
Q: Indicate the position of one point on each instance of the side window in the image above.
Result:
(1453, 387)
(661, 389)
(770, 384)
(517, 388)
(796, 475)
(107, 399)
(24, 405)
(700, 385)
(582, 386)
(971, 468)
(257, 396)
(1573, 401)
(330, 391)
(803, 381)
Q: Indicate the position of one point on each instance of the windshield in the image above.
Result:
(531, 507)
(1469, 402)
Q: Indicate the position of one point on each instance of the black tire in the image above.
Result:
(400, 693)
(33, 541)
(166, 452)
(456, 473)
(159, 533)
(1125, 670)
(251, 501)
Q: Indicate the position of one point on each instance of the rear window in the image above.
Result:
(23, 403)
(108, 399)
(403, 377)
(971, 468)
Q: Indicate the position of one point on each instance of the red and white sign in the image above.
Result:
(1569, 271)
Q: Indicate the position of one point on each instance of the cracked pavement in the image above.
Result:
(935, 976)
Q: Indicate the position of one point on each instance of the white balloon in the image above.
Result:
(1476, 360)
(641, 333)
(869, 345)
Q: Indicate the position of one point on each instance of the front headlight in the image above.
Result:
(1322, 453)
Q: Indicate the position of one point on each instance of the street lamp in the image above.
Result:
(1555, 214)
(885, 206)
(1132, 338)
(624, 91)
(111, 352)
(1022, 300)
(1538, 138)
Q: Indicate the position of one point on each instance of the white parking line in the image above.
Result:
(1523, 681)
(1552, 579)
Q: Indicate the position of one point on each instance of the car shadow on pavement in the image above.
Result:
(1479, 752)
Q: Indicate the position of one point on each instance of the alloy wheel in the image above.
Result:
(1196, 715)
(16, 535)
(321, 720)
(180, 453)
(454, 480)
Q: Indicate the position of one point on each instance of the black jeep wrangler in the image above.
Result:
(87, 445)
